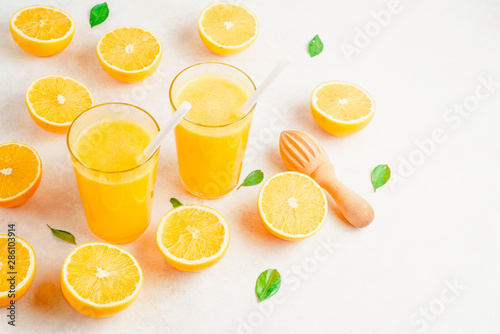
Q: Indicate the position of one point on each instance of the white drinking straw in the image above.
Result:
(166, 128)
(265, 85)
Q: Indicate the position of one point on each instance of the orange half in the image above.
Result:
(20, 173)
(42, 30)
(341, 108)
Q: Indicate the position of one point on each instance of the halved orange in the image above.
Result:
(227, 28)
(129, 53)
(54, 101)
(193, 237)
(42, 30)
(99, 279)
(341, 108)
(16, 272)
(20, 173)
(292, 206)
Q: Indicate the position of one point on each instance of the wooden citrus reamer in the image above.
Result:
(303, 153)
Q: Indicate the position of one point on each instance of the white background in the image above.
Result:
(438, 224)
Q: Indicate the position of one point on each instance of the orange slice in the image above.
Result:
(193, 237)
(227, 28)
(341, 108)
(42, 30)
(129, 53)
(292, 206)
(23, 265)
(99, 279)
(54, 101)
(20, 173)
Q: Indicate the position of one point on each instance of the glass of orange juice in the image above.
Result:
(212, 137)
(116, 192)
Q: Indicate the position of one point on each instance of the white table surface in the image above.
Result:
(436, 226)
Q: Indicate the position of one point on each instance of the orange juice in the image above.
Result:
(212, 138)
(116, 192)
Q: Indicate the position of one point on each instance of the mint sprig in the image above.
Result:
(175, 202)
(268, 283)
(98, 14)
(63, 235)
(380, 176)
(254, 178)
(315, 46)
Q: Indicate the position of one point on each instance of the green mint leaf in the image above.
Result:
(253, 178)
(315, 46)
(268, 283)
(380, 176)
(98, 14)
(63, 235)
(175, 202)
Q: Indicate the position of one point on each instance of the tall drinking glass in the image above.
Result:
(116, 192)
(212, 137)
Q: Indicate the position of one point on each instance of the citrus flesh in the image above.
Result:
(292, 205)
(193, 237)
(24, 267)
(99, 279)
(20, 173)
(129, 53)
(42, 30)
(54, 101)
(227, 28)
(341, 108)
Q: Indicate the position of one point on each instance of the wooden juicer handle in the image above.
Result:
(303, 153)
